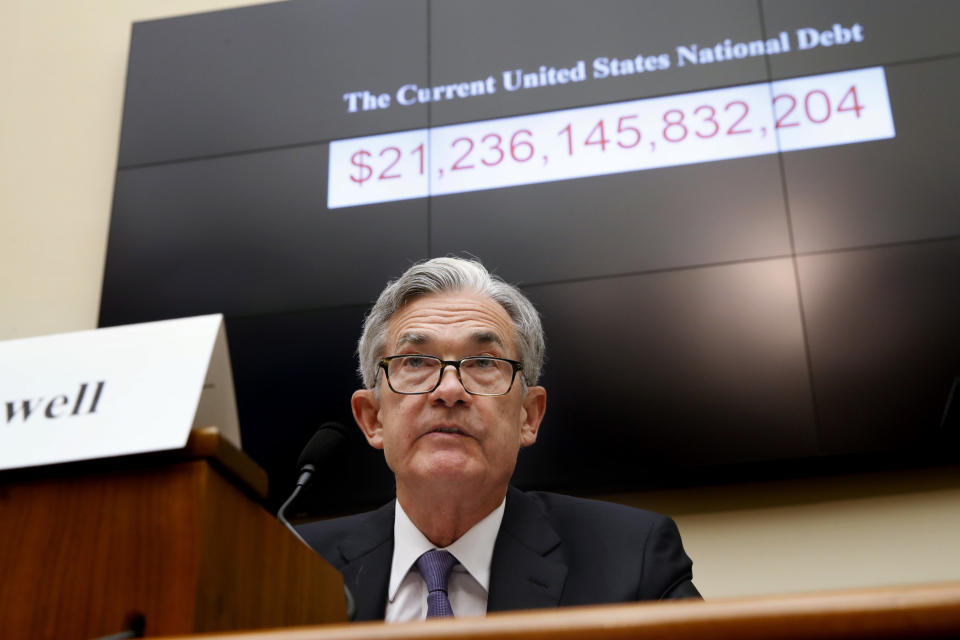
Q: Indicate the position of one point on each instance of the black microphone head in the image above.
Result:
(328, 438)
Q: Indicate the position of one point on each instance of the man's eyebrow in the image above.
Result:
(412, 337)
(488, 337)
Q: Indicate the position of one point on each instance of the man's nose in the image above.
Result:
(450, 391)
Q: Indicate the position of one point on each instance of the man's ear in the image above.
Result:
(366, 411)
(534, 406)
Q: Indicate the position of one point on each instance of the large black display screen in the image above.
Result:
(739, 220)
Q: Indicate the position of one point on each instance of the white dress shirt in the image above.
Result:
(469, 581)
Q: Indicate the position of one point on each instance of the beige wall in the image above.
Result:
(62, 81)
(62, 71)
(871, 529)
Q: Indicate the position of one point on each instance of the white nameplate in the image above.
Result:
(115, 391)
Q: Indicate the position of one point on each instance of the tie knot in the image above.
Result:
(435, 568)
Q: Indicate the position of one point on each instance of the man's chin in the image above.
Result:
(448, 466)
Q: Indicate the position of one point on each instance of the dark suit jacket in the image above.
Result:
(552, 550)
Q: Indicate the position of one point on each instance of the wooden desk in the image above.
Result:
(931, 611)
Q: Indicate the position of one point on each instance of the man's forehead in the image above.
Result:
(480, 336)
(468, 316)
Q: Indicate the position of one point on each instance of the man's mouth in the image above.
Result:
(449, 429)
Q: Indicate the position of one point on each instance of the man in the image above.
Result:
(450, 357)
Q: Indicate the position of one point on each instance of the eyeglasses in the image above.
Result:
(480, 375)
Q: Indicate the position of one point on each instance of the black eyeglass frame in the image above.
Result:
(456, 364)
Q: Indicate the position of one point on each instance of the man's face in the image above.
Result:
(414, 430)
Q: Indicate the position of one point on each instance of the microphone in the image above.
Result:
(327, 440)
(330, 437)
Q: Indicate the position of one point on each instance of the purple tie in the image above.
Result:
(435, 567)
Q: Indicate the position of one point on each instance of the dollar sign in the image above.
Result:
(364, 171)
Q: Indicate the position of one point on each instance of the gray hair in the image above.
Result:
(441, 275)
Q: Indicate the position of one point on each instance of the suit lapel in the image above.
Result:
(368, 554)
(528, 569)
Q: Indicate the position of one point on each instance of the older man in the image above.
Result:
(450, 357)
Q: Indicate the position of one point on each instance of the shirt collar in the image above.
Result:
(473, 550)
